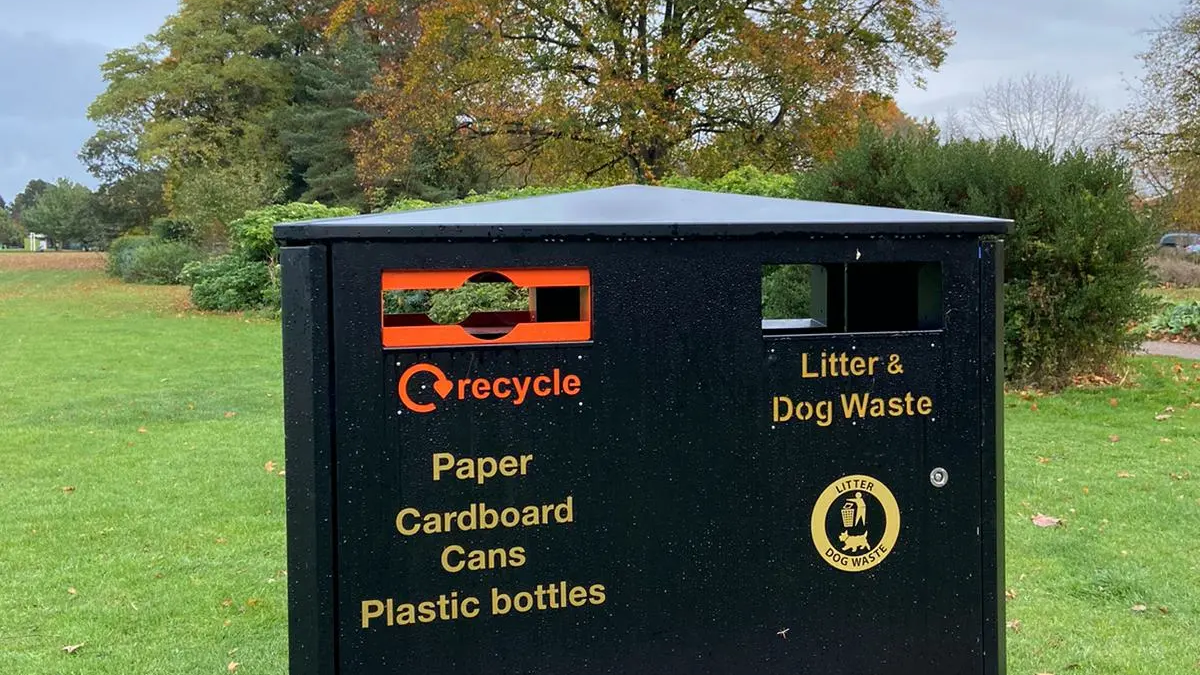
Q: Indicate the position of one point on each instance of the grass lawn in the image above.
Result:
(1176, 294)
(138, 518)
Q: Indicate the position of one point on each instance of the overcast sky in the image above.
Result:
(51, 51)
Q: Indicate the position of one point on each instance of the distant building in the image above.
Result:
(36, 242)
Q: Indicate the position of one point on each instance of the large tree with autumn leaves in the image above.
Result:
(232, 103)
(571, 89)
(1160, 128)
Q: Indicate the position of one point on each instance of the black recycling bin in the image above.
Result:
(644, 430)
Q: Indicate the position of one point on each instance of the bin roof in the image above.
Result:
(638, 211)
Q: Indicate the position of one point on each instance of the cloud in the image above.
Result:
(49, 84)
(1096, 42)
(46, 78)
(40, 149)
(50, 57)
(114, 24)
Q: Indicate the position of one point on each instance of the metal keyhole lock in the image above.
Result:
(939, 477)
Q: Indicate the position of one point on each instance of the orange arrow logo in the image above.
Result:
(442, 385)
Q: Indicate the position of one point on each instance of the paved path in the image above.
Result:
(1181, 350)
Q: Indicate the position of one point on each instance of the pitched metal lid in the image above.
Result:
(638, 211)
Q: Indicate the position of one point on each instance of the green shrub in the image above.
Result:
(409, 204)
(170, 229)
(454, 305)
(746, 181)
(229, 283)
(786, 292)
(160, 262)
(1178, 320)
(253, 235)
(120, 254)
(1075, 263)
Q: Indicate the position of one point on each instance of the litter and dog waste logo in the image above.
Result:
(855, 523)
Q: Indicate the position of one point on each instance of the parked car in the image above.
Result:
(1179, 240)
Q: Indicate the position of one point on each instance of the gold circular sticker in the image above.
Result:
(855, 523)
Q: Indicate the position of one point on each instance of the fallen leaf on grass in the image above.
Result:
(1114, 438)
(281, 473)
(1042, 520)
(1186, 475)
(1010, 594)
(230, 414)
(1033, 407)
(1162, 417)
(233, 666)
(252, 602)
(141, 430)
(1163, 609)
(1014, 625)
(1124, 474)
(1138, 607)
(1043, 460)
(68, 489)
(227, 602)
(71, 649)
(222, 540)
(269, 466)
(72, 591)
(1113, 402)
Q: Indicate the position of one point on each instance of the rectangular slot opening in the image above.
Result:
(815, 298)
(436, 308)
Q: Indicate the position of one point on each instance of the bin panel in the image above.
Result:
(894, 429)
(308, 429)
(685, 505)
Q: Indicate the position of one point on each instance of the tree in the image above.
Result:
(1160, 128)
(213, 197)
(575, 90)
(951, 127)
(199, 97)
(315, 129)
(1074, 262)
(27, 198)
(3, 204)
(433, 168)
(131, 189)
(65, 214)
(132, 202)
(10, 233)
(883, 113)
(1038, 111)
